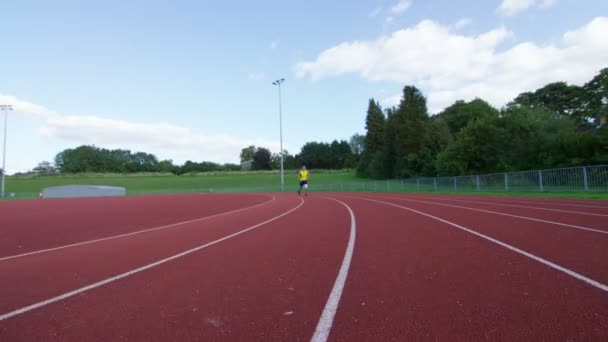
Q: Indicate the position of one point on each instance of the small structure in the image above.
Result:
(75, 191)
(246, 165)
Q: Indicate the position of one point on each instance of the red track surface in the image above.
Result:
(262, 266)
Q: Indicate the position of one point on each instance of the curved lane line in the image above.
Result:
(140, 269)
(503, 214)
(523, 206)
(331, 307)
(134, 233)
(557, 267)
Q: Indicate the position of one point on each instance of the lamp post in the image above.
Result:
(5, 108)
(278, 83)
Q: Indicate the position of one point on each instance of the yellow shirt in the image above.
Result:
(303, 175)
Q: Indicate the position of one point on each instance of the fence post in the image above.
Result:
(506, 181)
(435, 184)
(477, 183)
(455, 187)
(540, 179)
(585, 180)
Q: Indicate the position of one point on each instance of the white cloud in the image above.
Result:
(464, 22)
(401, 6)
(449, 66)
(546, 3)
(374, 13)
(512, 7)
(169, 140)
(390, 19)
(390, 101)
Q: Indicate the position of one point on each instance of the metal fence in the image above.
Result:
(573, 179)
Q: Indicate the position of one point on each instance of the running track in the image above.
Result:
(277, 267)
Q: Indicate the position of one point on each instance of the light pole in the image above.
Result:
(5, 108)
(278, 83)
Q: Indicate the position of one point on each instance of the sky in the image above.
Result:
(192, 80)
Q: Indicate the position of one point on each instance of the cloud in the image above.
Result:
(391, 101)
(176, 142)
(401, 6)
(512, 7)
(374, 13)
(449, 66)
(274, 44)
(464, 22)
(547, 3)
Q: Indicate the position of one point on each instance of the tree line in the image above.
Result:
(87, 158)
(315, 155)
(92, 159)
(558, 125)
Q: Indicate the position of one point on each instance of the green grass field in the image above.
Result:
(136, 184)
(142, 183)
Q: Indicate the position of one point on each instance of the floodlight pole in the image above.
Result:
(5, 108)
(278, 83)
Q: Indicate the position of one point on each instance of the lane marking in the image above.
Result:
(135, 232)
(562, 269)
(527, 207)
(516, 201)
(140, 269)
(331, 307)
(503, 214)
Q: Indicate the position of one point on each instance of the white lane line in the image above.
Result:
(140, 269)
(331, 307)
(526, 207)
(509, 200)
(134, 233)
(569, 272)
(503, 214)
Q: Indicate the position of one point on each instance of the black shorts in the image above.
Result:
(302, 183)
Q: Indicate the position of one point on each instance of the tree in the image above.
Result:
(436, 138)
(289, 162)
(357, 146)
(44, 168)
(144, 162)
(409, 125)
(458, 115)
(389, 156)
(316, 155)
(247, 153)
(374, 138)
(596, 92)
(261, 159)
(166, 166)
(559, 98)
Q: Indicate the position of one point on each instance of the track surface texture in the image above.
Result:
(324, 267)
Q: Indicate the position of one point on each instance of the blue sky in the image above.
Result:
(192, 79)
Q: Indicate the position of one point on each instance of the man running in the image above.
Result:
(303, 177)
